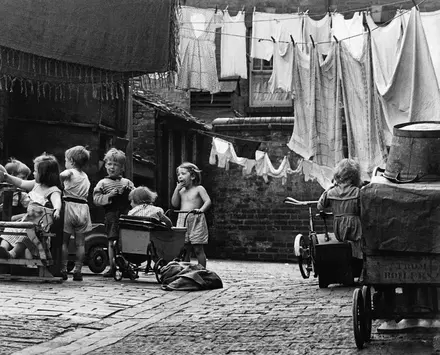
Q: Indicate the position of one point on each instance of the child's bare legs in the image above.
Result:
(12, 252)
(188, 249)
(80, 253)
(200, 254)
(111, 257)
(65, 254)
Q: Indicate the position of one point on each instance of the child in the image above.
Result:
(112, 193)
(189, 195)
(76, 211)
(44, 191)
(20, 199)
(344, 200)
(142, 199)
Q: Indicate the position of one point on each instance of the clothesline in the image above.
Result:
(225, 136)
(313, 14)
(322, 42)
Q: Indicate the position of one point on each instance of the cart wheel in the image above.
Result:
(302, 251)
(97, 260)
(70, 266)
(358, 318)
(118, 274)
(157, 266)
(366, 295)
(322, 282)
(313, 244)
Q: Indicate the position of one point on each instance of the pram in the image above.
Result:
(146, 239)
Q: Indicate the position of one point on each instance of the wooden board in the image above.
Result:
(402, 270)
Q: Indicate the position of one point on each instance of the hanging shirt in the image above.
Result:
(266, 25)
(264, 167)
(198, 69)
(349, 30)
(233, 46)
(320, 31)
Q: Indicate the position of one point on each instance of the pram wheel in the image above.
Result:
(118, 274)
(158, 265)
(358, 318)
(97, 260)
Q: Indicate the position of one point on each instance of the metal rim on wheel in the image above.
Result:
(157, 266)
(302, 251)
(118, 274)
(98, 260)
(358, 318)
(366, 296)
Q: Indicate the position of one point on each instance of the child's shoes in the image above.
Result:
(64, 275)
(4, 254)
(77, 276)
(109, 273)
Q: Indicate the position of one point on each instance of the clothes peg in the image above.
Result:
(273, 39)
(216, 8)
(335, 39)
(307, 11)
(242, 9)
(417, 6)
(313, 42)
(293, 41)
(226, 8)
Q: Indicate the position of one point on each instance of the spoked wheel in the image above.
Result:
(302, 251)
(366, 296)
(119, 268)
(118, 274)
(157, 266)
(313, 244)
(358, 318)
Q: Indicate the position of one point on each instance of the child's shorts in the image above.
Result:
(111, 222)
(77, 218)
(196, 227)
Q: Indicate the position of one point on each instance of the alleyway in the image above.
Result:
(264, 308)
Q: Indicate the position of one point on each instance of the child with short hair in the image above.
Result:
(344, 200)
(77, 219)
(190, 195)
(20, 199)
(142, 199)
(112, 193)
(44, 192)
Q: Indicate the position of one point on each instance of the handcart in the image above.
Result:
(321, 253)
(401, 272)
(144, 239)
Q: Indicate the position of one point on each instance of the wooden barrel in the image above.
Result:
(415, 152)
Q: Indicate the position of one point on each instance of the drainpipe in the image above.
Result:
(129, 135)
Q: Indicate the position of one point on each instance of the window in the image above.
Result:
(259, 93)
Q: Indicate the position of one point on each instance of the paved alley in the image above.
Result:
(264, 308)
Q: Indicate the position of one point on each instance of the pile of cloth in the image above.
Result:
(184, 276)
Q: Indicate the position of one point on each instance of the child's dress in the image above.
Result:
(345, 204)
(146, 210)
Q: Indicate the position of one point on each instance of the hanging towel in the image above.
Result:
(233, 46)
(300, 140)
(266, 25)
(320, 30)
(362, 111)
(314, 172)
(350, 30)
(198, 69)
(281, 77)
(412, 94)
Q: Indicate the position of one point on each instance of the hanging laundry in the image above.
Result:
(320, 30)
(350, 30)
(362, 110)
(281, 77)
(385, 47)
(198, 69)
(266, 25)
(314, 172)
(412, 93)
(264, 167)
(223, 152)
(246, 148)
(233, 46)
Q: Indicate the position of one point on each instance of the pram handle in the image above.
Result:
(292, 201)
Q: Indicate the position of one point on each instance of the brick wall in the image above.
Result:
(144, 131)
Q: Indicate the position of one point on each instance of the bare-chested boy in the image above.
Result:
(189, 195)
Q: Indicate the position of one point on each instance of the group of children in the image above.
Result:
(115, 193)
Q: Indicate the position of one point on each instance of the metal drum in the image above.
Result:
(415, 152)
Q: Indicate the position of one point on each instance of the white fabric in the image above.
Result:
(266, 25)
(349, 30)
(412, 94)
(264, 167)
(233, 46)
(320, 30)
(281, 77)
(314, 172)
(366, 143)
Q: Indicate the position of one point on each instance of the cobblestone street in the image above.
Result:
(264, 308)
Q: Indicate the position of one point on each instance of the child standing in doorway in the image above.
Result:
(142, 199)
(112, 193)
(190, 195)
(344, 200)
(76, 211)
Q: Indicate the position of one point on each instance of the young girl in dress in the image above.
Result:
(344, 200)
(142, 199)
(43, 191)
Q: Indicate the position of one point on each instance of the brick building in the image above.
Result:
(248, 219)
